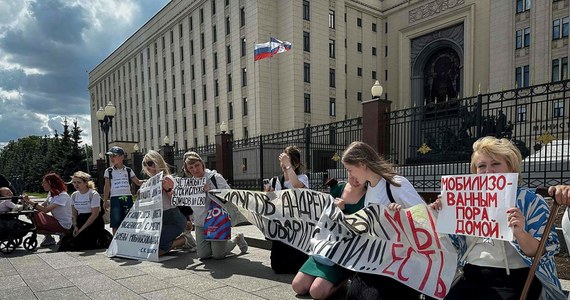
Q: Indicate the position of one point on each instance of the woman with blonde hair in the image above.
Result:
(173, 222)
(87, 217)
(497, 269)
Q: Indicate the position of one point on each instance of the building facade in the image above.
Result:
(191, 66)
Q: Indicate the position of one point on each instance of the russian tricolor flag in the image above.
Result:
(269, 49)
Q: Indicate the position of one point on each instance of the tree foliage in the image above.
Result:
(25, 161)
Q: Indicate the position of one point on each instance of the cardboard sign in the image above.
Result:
(476, 205)
(138, 237)
(403, 245)
(189, 192)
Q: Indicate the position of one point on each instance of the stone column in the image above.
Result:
(376, 124)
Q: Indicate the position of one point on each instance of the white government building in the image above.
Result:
(191, 66)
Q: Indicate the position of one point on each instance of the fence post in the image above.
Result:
(224, 156)
(308, 148)
(376, 124)
(479, 114)
(101, 166)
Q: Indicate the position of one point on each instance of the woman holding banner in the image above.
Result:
(384, 187)
(321, 280)
(496, 269)
(218, 249)
(284, 258)
(173, 222)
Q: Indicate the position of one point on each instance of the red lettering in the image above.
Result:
(427, 254)
(416, 232)
(450, 198)
(441, 289)
(396, 218)
(395, 258)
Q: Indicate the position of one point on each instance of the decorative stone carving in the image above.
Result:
(432, 8)
(454, 34)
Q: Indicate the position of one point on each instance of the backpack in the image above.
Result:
(110, 171)
(389, 192)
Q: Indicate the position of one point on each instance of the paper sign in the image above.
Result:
(476, 205)
(138, 237)
(189, 192)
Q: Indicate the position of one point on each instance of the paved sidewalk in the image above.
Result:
(47, 274)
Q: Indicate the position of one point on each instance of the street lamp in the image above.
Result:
(105, 118)
(376, 90)
(224, 127)
(166, 140)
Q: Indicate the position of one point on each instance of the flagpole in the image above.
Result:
(271, 88)
(257, 106)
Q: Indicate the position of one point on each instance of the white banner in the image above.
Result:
(403, 245)
(138, 237)
(476, 205)
(287, 215)
(189, 192)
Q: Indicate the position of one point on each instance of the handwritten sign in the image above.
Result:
(189, 192)
(138, 236)
(399, 244)
(476, 205)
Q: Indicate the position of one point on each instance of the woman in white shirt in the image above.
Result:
(58, 203)
(89, 227)
(284, 258)
(386, 187)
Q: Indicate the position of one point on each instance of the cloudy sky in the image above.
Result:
(47, 48)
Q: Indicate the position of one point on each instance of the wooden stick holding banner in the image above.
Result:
(476, 205)
(540, 251)
(138, 236)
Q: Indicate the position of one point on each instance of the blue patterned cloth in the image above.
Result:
(536, 212)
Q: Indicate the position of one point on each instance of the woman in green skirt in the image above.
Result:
(319, 280)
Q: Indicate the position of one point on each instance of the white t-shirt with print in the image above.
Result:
(83, 204)
(120, 184)
(62, 212)
(404, 195)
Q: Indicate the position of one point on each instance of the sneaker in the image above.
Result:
(190, 244)
(48, 241)
(239, 239)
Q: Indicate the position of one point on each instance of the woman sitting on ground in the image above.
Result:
(320, 280)
(173, 222)
(58, 203)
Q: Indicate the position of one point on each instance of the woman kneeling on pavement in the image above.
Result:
(497, 269)
(173, 222)
(58, 203)
(88, 225)
(210, 248)
(320, 280)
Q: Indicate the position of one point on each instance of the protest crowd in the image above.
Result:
(373, 236)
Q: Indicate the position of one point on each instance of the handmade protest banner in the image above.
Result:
(403, 245)
(189, 192)
(138, 236)
(287, 215)
(476, 205)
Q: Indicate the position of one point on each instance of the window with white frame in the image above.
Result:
(560, 69)
(521, 114)
(332, 107)
(558, 109)
(331, 19)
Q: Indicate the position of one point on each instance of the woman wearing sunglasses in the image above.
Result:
(173, 222)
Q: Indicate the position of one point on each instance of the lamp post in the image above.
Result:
(105, 118)
(224, 156)
(168, 153)
(376, 90)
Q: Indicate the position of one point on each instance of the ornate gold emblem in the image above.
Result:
(424, 149)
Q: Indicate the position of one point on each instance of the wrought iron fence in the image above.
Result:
(435, 139)
(321, 146)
